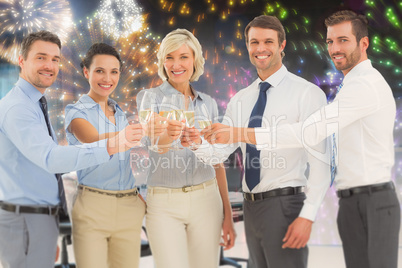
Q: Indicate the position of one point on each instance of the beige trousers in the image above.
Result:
(107, 229)
(184, 228)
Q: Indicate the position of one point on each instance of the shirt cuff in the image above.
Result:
(309, 212)
(99, 150)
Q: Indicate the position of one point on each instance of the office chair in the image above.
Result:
(145, 247)
(65, 232)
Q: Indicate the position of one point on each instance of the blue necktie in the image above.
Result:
(334, 149)
(63, 204)
(252, 154)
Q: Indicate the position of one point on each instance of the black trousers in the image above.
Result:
(266, 222)
(369, 228)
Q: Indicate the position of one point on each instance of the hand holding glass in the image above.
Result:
(177, 102)
(189, 115)
(163, 116)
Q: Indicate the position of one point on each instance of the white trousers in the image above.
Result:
(107, 230)
(184, 228)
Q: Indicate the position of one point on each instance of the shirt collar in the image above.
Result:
(168, 89)
(276, 77)
(29, 90)
(88, 103)
(361, 67)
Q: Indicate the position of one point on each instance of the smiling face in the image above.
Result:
(41, 66)
(265, 51)
(103, 76)
(179, 66)
(343, 47)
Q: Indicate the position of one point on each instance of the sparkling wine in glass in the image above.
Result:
(203, 117)
(177, 113)
(204, 123)
(147, 107)
(144, 116)
(164, 112)
(189, 115)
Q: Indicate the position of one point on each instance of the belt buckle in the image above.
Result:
(119, 195)
(246, 196)
(184, 189)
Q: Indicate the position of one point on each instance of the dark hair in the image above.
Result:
(359, 22)
(267, 22)
(38, 36)
(99, 49)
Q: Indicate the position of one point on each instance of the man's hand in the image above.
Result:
(190, 137)
(298, 233)
(219, 133)
(125, 139)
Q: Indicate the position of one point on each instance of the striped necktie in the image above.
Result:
(252, 175)
(63, 204)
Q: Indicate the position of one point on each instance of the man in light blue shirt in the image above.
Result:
(30, 157)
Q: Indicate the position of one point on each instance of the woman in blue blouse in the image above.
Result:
(107, 214)
(187, 201)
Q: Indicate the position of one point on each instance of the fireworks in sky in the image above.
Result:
(120, 18)
(20, 17)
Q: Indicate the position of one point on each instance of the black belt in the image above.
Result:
(366, 189)
(28, 209)
(273, 193)
(117, 195)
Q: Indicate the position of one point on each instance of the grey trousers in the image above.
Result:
(369, 228)
(266, 222)
(27, 240)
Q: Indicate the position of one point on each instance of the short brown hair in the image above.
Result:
(359, 22)
(266, 22)
(38, 36)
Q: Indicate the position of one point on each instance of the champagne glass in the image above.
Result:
(177, 102)
(203, 117)
(164, 112)
(189, 115)
(147, 107)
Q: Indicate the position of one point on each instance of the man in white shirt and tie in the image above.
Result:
(363, 112)
(280, 204)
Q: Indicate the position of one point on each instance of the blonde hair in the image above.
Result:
(173, 41)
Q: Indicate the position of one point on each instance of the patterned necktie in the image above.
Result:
(252, 154)
(334, 149)
(62, 196)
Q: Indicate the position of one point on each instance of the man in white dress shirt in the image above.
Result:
(278, 214)
(363, 112)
